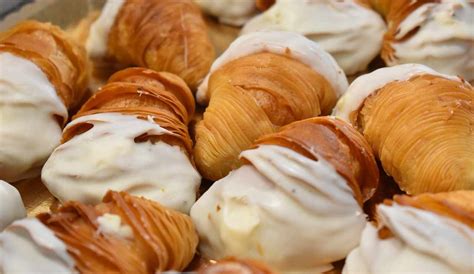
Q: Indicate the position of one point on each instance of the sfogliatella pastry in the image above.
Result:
(439, 34)
(350, 31)
(123, 234)
(43, 74)
(429, 233)
(263, 81)
(420, 124)
(130, 136)
(164, 35)
(296, 203)
(11, 205)
(235, 266)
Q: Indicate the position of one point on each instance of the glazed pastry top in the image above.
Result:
(30, 239)
(231, 12)
(11, 205)
(107, 156)
(350, 32)
(281, 193)
(367, 84)
(30, 105)
(288, 44)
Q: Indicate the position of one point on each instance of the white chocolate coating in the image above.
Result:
(423, 242)
(284, 43)
(11, 205)
(28, 246)
(107, 158)
(444, 41)
(97, 41)
(365, 85)
(230, 12)
(351, 33)
(293, 213)
(28, 129)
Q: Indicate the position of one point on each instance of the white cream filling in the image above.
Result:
(28, 129)
(28, 246)
(278, 42)
(286, 210)
(365, 85)
(230, 12)
(96, 44)
(107, 157)
(351, 33)
(423, 242)
(444, 40)
(111, 224)
(11, 205)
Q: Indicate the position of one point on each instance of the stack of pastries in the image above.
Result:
(300, 164)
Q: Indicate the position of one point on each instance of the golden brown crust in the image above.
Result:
(338, 143)
(164, 35)
(145, 93)
(162, 240)
(235, 266)
(263, 5)
(422, 132)
(59, 57)
(457, 205)
(253, 96)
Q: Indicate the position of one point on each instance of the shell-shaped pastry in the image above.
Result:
(425, 233)
(164, 35)
(43, 74)
(419, 123)
(438, 34)
(131, 135)
(148, 237)
(314, 174)
(263, 81)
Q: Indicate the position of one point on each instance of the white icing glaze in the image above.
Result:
(28, 246)
(279, 42)
(231, 12)
(351, 33)
(423, 242)
(111, 224)
(444, 40)
(256, 211)
(367, 84)
(106, 157)
(28, 129)
(11, 205)
(96, 44)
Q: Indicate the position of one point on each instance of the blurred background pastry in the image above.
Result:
(264, 80)
(230, 12)
(439, 34)
(235, 266)
(123, 234)
(11, 205)
(43, 74)
(129, 136)
(296, 203)
(164, 35)
(429, 233)
(350, 31)
(420, 125)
